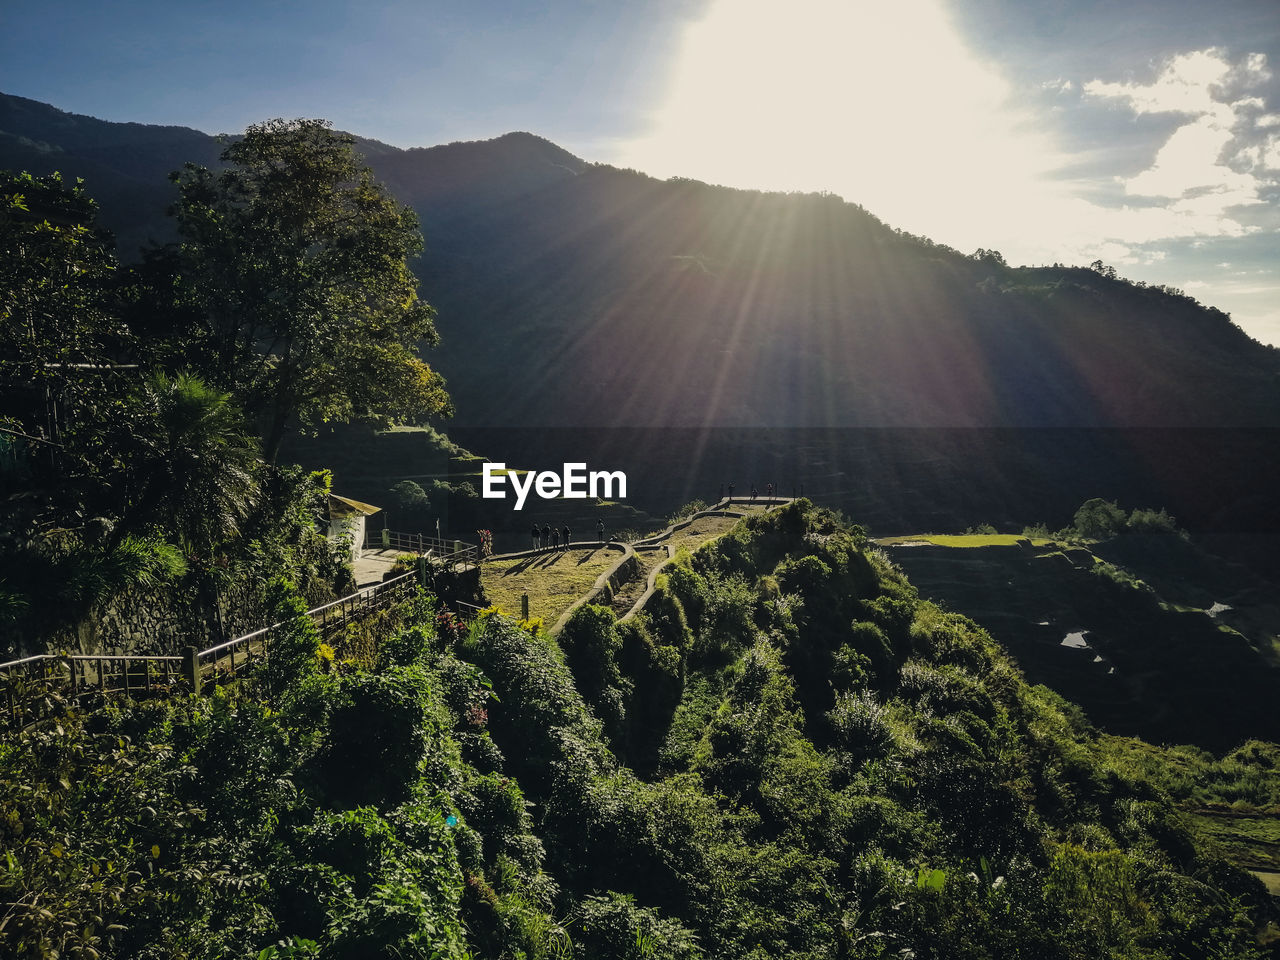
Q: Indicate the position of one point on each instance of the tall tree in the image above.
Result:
(296, 264)
(58, 337)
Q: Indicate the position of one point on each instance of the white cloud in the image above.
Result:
(1218, 158)
(1183, 86)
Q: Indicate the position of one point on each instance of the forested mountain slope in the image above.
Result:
(594, 283)
(578, 295)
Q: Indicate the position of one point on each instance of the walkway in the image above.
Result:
(559, 581)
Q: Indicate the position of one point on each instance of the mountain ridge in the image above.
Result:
(583, 296)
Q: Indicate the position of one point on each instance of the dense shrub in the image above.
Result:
(379, 732)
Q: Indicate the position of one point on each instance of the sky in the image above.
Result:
(1145, 134)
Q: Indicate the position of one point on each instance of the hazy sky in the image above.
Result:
(1144, 133)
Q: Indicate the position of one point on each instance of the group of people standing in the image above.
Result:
(770, 490)
(548, 537)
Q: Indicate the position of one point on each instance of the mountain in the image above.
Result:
(943, 388)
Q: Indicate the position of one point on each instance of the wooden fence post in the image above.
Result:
(191, 668)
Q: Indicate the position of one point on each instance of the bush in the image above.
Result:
(688, 510)
(861, 727)
(591, 644)
(1154, 522)
(1098, 520)
(380, 731)
(293, 650)
(614, 926)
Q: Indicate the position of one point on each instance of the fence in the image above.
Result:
(29, 684)
(451, 551)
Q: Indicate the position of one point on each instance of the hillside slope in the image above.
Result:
(574, 295)
(789, 756)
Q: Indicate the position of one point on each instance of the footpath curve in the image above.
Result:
(628, 562)
(720, 509)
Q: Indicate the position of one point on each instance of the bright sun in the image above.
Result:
(880, 102)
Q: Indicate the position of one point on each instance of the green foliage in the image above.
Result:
(1103, 519)
(56, 273)
(1098, 520)
(868, 640)
(591, 645)
(192, 466)
(294, 266)
(461, 797)
(1154, 521)
(666, 618)
(408, 645)
(293, 646)
(615, 926)
(380, 730)
(412, 505)
(686, 511)
(1099, 891)
(862, 730)
(131, 459)
(385, 896)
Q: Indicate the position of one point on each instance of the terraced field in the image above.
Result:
(553, 580)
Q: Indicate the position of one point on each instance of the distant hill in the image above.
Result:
(1160, 641)
(584, 296)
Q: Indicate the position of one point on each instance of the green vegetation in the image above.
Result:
(1095, 521)
(967, 540)
(554, 580)
(789, 755)
(138, 406)
(1103, 519)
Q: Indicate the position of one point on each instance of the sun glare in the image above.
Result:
(879, 102)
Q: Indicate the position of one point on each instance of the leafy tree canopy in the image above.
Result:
(56, 329)
(294, 263)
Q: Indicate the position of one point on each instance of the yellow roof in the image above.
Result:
(343, 505)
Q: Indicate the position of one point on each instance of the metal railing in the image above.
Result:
(452, 551)
(28, 683)
(220, 661)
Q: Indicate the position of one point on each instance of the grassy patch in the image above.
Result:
(700, 531)
(553, 580)
(1233, 803)
(1250, 841)
(966, 540)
